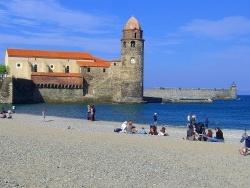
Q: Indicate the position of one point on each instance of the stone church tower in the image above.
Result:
(132, 60)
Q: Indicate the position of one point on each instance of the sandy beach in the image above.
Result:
(36, 153)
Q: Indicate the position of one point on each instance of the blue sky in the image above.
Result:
(188, 44)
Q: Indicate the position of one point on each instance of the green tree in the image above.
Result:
(4, 69)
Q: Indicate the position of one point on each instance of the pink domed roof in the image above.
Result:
(132, 23)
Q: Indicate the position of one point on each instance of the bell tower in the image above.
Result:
(132, 60)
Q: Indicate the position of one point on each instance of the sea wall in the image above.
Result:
(57, 95)
(25, 91)
(195, 93)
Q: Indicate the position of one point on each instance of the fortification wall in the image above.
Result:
(57, 95)
(24, 91)
(182, 93)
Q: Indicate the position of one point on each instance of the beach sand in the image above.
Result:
(42, 154)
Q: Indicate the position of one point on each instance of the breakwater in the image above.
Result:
(191, 94)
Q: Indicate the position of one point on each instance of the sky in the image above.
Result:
(188, 44)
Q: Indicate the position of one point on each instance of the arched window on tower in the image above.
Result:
(132, 43)
(35, 68)
(135, 35)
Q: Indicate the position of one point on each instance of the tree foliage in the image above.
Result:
(4, 69)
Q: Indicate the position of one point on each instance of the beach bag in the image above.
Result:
(117, 130)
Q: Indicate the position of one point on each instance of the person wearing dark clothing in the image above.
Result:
(92, 113)
(219, 136)
(153, 130)
(155, 118)
(219, 133)
(190, 133)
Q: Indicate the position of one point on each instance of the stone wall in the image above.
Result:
(182, 93)
(57, 95)
(5, 90)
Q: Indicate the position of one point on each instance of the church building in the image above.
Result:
(64, 76)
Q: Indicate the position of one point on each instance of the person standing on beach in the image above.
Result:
(189, 119)
(43, 114)
(155, 118)
(92, 113)
(13, 109)
(88, 112)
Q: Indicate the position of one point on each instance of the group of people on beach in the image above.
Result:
(197, 130)
(128, 127)
(5, 114)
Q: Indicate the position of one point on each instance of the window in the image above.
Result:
(114, 64)
(88, 69)
(67, 69)
(132, 43)
(35, 68)
(104, 70)
(135, 35)
(52, 66)
(18, 65)
(132, 60)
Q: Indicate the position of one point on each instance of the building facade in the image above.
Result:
(59, 76)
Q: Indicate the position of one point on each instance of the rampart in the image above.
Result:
(15, 90)
(178, 94)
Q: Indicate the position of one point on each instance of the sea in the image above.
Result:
(226, 114)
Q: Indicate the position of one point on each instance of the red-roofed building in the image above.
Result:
(52, 72)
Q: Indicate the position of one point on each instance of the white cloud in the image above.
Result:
(225, 28)
(47, 24)
(87, 44)
(49, 12)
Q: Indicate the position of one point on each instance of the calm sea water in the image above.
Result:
(229, 114)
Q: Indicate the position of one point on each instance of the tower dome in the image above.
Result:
(132, 23)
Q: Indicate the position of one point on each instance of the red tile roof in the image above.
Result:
(98, 63)
(58, 74)
(94, 61)
(48, 54)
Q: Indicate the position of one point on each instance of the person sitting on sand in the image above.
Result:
(163, 132)
(143, 131)
(243, 151)
(131, 128)
(219, 136)
(153, 130)
(209, 133)
(2, 115)
(190, 133)
(8, 114)
(124, 126)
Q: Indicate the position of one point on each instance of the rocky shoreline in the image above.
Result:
(62, 152)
